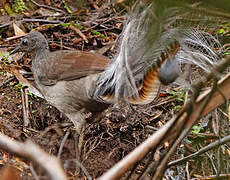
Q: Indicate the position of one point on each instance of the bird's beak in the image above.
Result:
(16, 49)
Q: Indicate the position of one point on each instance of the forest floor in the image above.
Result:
(123, 126)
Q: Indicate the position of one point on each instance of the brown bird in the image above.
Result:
(74, 81)
(69, 79)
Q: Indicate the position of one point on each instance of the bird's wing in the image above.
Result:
(72, 65)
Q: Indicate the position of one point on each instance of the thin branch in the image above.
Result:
(220, 177)
(25, 107)
(201, 151)
(7, 81)
(213, 164)
(47, 7)
(62, 144)
(13, 38)
(32, 20)
(42, 20)
(6, 24)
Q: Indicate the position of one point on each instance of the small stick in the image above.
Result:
(32, 20)
(47, 7)
(7, 81)
(79, 33)
(25, 107)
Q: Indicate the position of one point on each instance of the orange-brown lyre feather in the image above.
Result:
(151, 82)
(149, 90)
(70, 65)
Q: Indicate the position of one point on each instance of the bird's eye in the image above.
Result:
(25, 42)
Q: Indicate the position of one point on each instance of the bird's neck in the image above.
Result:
(40, 63)
(41, 54)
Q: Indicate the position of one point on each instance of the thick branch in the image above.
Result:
(32, 152)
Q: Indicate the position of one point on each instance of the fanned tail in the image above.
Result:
(148, 48)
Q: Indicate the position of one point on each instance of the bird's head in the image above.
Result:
(32, 42)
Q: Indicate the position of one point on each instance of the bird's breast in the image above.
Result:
(71, 96)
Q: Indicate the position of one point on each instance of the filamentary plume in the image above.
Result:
(157, 42)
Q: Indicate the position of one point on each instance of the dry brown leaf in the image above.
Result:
(228, 151)
(18, 31)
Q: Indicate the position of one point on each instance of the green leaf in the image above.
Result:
(9, 10)
(196, 129)
(65, 24)
(98, 33)
(221, 31)
(67, 7)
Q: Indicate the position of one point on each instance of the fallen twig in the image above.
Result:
(7, 81)
(14, 37)
(216, 177)
(42, 20)
(33, 20)
(79, 33)
(25, 107)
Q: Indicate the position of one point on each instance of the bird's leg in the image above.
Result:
(79, 122)
(81, 139)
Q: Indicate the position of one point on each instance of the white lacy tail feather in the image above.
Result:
(141, 47)
(119, 78)
(199, 48)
